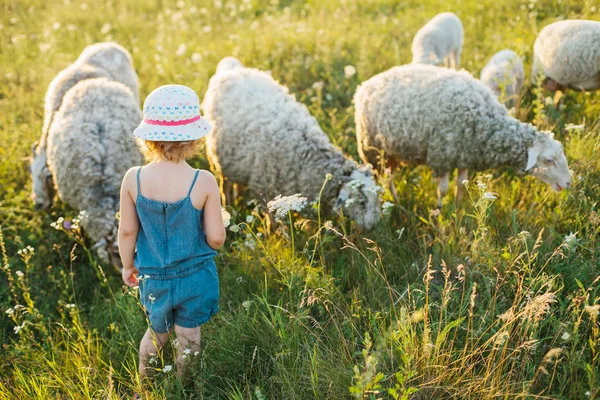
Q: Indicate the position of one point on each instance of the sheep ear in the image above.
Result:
(532, 155)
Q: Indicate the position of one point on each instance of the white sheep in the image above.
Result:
(89, 148)
(264, 139)
(439, 41)
(100, 60)
(504, 75)
(447, 119)
(567, 55)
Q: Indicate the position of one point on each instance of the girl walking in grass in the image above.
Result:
(171, 225)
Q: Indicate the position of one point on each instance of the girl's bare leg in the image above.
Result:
(189, 339)
(151, 343)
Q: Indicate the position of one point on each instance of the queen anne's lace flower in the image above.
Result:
(349, 71)
(282, 205)
(167, 368)
(226, 217)
(386, 208)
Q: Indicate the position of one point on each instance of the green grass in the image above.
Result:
(483, 301)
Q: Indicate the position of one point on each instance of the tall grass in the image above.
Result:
(493, 299)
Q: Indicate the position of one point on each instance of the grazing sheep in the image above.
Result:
(100, 60)
(567, 55)
(504, 75)
(447, 119)
(439, 41)
(89, 148)
(264, 139)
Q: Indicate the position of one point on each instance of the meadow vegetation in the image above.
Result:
(497, 298)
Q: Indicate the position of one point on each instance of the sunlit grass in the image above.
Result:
(496, 298)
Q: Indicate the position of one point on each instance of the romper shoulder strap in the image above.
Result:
(138, 179)
(194, 181)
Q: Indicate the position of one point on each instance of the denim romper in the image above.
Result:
(177, 273)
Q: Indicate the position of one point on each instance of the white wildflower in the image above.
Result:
(187, 351)
(246, 304)
(349, 201)
(489, 196)
(196, 58)
(20, 274)
(328, 225)
(251, 244)
(167, 368)
(226, 217)
(105, 29)
(354, 184)
(575, 128)
(151, 297)
(234, 228)
(183, 357)
(565, 336)
(349, 71)
(19, 327)
(318, 85)
(386, 208)
(10, 311)
(175, 342)
(181, 50)
(282, 205)
(196, 353)
(70, 305)
(249, 219)
(571, 240)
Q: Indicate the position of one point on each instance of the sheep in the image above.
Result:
(100, 60)
(439, 41)
(447, 119)
(504, 73)
(567, 55)
(264, 139)
(89, 149)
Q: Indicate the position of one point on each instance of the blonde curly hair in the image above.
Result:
(170, 150)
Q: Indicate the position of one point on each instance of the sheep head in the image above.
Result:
(42, 184)
(229, 63)
(359, 198)
(546, 160)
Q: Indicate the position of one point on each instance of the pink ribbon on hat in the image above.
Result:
(172, 123)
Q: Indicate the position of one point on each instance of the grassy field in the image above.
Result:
(495, 299)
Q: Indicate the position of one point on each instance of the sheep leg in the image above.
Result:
(463, 175)
(443, 184)
(392, 165)
(393, 189)
(457, 59)
(226, 192)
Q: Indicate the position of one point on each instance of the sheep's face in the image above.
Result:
(547, 158)
(42, 186)
(359, 199)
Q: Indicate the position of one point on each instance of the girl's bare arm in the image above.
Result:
(129, 226)
(213, 221)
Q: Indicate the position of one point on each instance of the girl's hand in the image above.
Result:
(129, 276)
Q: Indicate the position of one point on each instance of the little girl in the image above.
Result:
(171, 225)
